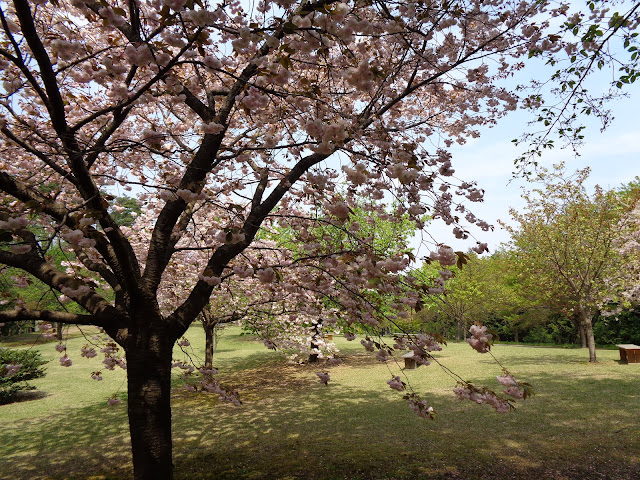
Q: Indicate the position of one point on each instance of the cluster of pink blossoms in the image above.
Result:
(468, 392)
(323, 377)
(397, 384)
(111, 359)
(515, 389)
(65, 361)
(420, 406)
(445, 256)
(88, 352)
(480, 340)
(14, 224)
(207, 383)
(185, 367)
(230, 396)
(46, 329)
(480, 248)
(11, 369)
(420, 345)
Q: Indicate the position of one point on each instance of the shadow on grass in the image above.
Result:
(295, 428)
(89, 442)
(292, 427)
(24, 396)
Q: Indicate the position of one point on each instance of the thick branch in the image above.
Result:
(200, 109)
(58, 212)
(54, 104)
(99, 320)
(52, 277)
(160, 248)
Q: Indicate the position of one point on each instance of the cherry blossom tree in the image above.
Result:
(623, 284)
(255, 116)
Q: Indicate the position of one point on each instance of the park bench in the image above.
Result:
(629, 353)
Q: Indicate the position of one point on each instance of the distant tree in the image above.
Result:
(565, 239)
(484, 290)
(125, 210)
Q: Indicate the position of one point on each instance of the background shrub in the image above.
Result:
(11, 383)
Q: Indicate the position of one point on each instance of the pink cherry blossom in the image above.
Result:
(480, 339)
(65, 361)
(12, 369)
(88, 352)
(396, 384)
(507, 380)
(261, 144)
(323, 377)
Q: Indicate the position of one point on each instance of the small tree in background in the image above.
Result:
(565, 238)
(16, 368)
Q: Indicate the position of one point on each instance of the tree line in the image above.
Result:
(568, 274)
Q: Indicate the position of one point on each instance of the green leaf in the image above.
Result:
(286, 62)
(289, 28)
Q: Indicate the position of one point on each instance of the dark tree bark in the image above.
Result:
(576, 319)
(313, 357)
(583, 335)
(208, 345)
(149, 405)
(209, 323)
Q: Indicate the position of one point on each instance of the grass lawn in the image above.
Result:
(581, 424)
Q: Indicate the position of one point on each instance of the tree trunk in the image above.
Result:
(516, 337)
(208, 344)
(587, 328)
(313, 357)
(576, 319)
(59, 331)
(591, 341)
(149, 406)
(209, 324)
(583, 335)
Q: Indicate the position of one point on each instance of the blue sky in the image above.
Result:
(613, 156)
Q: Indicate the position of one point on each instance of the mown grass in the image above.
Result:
(581, 424)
